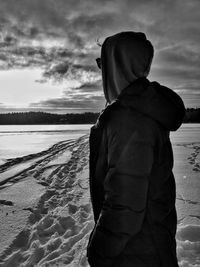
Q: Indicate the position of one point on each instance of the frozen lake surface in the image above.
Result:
(21, 140)
(187, 133)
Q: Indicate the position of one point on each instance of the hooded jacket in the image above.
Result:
(132, 186)
(125, 57)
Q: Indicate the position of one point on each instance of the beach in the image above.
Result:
(45, 207)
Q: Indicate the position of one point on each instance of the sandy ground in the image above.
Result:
(45, 209)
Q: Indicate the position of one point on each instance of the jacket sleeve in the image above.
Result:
(130, 160)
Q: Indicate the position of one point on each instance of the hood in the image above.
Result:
(125, 57)
(156, 101)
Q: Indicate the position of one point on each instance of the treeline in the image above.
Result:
(47, 118)
(192, 116)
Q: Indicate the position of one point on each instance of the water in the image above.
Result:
(21, 140)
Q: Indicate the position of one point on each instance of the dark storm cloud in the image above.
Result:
(69, 70)
(79, 20)
(8, 40)
(94, 103)
(38, 21)
(57, 71)
(90, 87)
(28, 30)
(55, 60)
(17, 57)
(53, 19)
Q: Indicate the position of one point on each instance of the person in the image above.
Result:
(132, 186)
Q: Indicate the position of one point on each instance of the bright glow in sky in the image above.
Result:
(19, 87)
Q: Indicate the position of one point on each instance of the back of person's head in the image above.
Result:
(125, 57)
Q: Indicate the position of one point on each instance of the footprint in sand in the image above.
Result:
(6, 202)
(194, 158)
(59, 226)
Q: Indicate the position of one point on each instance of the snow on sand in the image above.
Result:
(55, 227)
(46, 215)
(187, 174)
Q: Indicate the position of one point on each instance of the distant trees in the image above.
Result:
(47, 118)
(192, 115)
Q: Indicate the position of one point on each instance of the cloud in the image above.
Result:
(19, 57)
(89, 87)
(8, 40)
(72, 21)
(57, 71)
(86, 96)
(94, 24)
(164, 21)
(2, 105)
(179, 56)
(59, 37)
(81, 73)
(178, 67)
(83, 102)
(55, 59)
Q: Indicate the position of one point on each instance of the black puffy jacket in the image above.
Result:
(131, 181)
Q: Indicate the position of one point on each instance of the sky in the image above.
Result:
(48, 50)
